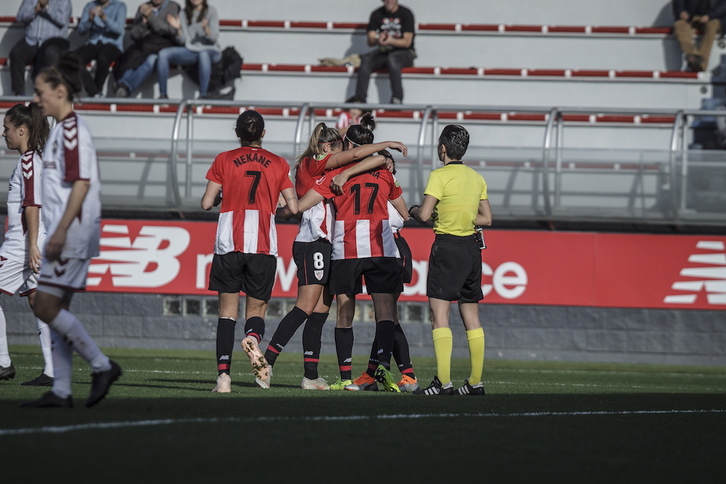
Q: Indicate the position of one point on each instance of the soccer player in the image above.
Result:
(251, 180)
(312, 248)
(72, 214)
(25, 130)
(346, 313)
(456, 198)
(363, 246)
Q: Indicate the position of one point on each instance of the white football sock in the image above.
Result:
(44, 337)
(62, 364)
(66, 324)
(4, 353)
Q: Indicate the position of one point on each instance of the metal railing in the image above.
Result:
(668, 171)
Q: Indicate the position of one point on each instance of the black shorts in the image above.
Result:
(454, 269)
(382, 276)
(313, 262)
(253, 274)
(406, 261)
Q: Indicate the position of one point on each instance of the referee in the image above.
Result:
(457, 201)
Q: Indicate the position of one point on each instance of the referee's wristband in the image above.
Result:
(410, 210)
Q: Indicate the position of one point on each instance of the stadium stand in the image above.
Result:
(616, 79)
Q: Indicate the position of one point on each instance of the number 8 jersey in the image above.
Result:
(252, 179)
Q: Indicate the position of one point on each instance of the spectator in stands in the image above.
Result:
(692, 16)
(150, 32)
(197, 31)
(391, 31)
(104, 21)
(45, 40)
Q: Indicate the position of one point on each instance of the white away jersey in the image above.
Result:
(24, 191)
(69, 156)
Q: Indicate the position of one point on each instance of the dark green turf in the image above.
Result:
(539, 422)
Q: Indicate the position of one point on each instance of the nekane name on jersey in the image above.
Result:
(252, 179)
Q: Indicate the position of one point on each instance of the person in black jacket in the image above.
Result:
(692, 16)
(390, 30)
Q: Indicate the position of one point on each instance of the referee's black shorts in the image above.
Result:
(455, 269)
(313, 262)
(253, 274)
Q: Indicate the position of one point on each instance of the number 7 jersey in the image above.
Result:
(362, 228)
(252, 179)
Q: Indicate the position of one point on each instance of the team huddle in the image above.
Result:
(351, 211)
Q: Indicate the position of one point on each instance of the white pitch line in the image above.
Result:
(156, 423)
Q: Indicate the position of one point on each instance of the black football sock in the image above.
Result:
(284, 333)
(255, 327)
(373, 359)
(225, 344)
(344, 350)
(401, 352)
(384, 336)
(312, 341)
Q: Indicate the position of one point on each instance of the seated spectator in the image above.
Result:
(45, 40)
(692, 16)
(391, 31)
(104, 21)
(150, 32)
(197, 31)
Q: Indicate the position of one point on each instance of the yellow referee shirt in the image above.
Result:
(458, 189)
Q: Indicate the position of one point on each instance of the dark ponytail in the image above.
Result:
(32, 118)
(362, 134)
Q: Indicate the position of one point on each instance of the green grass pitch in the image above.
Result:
(539, 422)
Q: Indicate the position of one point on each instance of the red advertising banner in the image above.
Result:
(519, 267)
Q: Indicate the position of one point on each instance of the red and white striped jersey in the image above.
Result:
(252, 179)
(24, 191)
(362, 228)
(317, 221)
(70, 156)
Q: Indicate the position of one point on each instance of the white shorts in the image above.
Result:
(17, 276)
(63, 274)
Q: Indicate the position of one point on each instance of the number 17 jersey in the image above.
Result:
(362, 228)
(252, 179)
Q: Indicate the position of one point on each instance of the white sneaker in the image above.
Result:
(316, 384)
(260, 368)
(224, 384)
